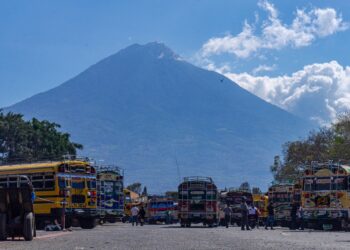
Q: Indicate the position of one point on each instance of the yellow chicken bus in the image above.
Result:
(61, 186)
(261, 201)
(326, 196)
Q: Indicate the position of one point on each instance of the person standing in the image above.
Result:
(244, 213)
(134, 214)
(227, 212)
(251, 216)
(257, 216)
(293, 215)
(142, 214)
(271, 216)
(301, 217)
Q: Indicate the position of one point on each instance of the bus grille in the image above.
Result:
(78, 199)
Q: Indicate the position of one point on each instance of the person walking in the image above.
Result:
(251, 216)
(244, 213)
(257, 216)
(142, 214)
(293, 215)
(134, 214)
(227, 212)
(271, 216)
(301, 217)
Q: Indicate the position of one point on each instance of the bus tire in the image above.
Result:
(87, 223)
(344, 224)
(3, 226)
(28, 227)
(68, 222)
(112, 220)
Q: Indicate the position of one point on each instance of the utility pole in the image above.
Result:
(63, 215)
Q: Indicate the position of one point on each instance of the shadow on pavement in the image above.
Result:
(173, 227)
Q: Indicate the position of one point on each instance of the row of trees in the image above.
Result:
(33, 140)
(328, 143)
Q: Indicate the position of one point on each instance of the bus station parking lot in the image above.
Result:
(124, 236)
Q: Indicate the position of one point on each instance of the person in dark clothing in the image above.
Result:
(244, 213)
(271, 216)
(293, 215)
(142, 214)
(301, 217)
(227, 211)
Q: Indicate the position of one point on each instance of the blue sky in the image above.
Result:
(44, 43)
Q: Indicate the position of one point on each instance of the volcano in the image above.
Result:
(162, 118)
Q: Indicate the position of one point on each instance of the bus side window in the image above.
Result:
(61, 182)
(38, 181)
(3, 182)
(49, 183)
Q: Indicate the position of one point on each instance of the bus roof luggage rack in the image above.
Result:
(199, 179)
(19, 161)
(316, 166)
(113, 168)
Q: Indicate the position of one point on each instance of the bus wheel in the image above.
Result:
(112, 220)
(3, 232)
(87, 223)
(28, 227)
(344, 224)
(68, 222)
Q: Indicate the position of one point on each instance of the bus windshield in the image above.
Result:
(339, 183)
(162, 204)
(281, 197)
(91, 184)
(323, 184)
(197, 195)
(78, 184)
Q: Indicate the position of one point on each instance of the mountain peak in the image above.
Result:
(156, 50)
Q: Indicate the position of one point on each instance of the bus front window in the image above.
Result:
(339, 183)
(308, 184)
(323, 184)
(91, 184)
(78, 184)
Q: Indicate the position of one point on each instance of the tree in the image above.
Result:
(33, 140)
(135, 187)
(256, 190)
(245, 187)
(331, 143)
(341, 144)
(144, 192)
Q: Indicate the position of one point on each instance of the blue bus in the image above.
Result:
(110, 195)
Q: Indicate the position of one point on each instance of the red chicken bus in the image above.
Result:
(198, 202)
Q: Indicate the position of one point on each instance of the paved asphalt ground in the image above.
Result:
(124, 236)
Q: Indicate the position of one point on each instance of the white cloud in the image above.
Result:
(274, 34)
(319, 91)
(264, 68)
(241, 45)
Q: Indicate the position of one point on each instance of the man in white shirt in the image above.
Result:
(134, 214)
